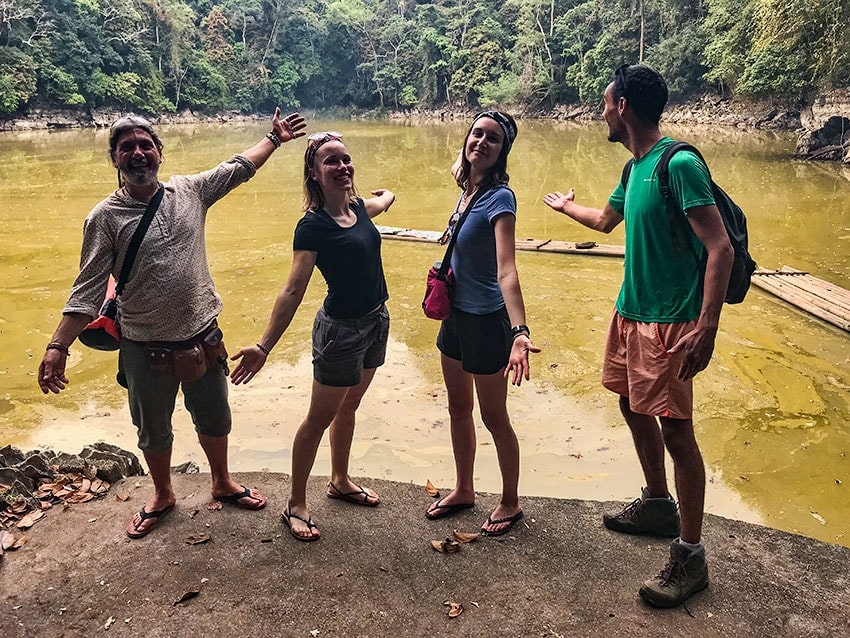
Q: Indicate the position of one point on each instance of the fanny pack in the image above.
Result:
(189, 360)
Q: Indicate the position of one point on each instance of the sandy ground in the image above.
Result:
(569, 449)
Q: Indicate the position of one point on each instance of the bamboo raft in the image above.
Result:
(537, 245)
(820, 298)
(800, 289)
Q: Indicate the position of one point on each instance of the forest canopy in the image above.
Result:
(158, 56)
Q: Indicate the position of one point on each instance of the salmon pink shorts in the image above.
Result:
(639, 366)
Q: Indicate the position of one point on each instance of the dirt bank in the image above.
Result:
(374, 573)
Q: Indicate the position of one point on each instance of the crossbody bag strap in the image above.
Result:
(136, 240)
(444, 266)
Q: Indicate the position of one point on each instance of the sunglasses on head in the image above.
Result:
(324, 136)
(315, 140)
(130, 121)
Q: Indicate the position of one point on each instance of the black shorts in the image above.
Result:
(482, 343)
(343, 348)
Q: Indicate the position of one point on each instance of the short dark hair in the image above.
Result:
(644, 89)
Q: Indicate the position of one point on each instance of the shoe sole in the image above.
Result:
(640, 531)
(664, 603)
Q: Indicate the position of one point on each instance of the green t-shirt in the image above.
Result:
(661, 282)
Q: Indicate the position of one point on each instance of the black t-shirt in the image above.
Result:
(348, 258)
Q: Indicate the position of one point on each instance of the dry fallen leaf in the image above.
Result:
(7, 539)
(197, 539)
(214, 506)
(187, 596)
(455, 609)
(30, 519)
(447, 546)
(433, 492)
(465, 537)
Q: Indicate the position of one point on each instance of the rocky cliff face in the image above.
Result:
(826, 128)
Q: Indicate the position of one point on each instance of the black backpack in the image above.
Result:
(734, 220)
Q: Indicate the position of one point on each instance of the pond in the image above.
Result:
(772, 411)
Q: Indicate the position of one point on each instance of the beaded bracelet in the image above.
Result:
(274, 139)
(265, 350)
(61, 347)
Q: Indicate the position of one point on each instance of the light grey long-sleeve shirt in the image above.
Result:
(170, 295)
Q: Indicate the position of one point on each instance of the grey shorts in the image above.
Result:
(482, 343)
(343, 348)
(152, 397)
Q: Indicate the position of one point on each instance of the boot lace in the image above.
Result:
(671, 573)
(632, 508)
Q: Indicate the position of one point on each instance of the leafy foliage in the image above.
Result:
(251, 55)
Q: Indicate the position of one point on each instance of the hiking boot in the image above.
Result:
(646, 515)
(685, 574)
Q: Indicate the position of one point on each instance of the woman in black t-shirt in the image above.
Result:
(351, 328)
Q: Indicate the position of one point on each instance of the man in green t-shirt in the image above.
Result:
(664, 323)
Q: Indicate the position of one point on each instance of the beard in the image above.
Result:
(614, 135)
(140, 175)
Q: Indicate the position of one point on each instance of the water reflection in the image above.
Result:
(772, 410)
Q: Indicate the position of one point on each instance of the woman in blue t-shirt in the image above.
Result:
(351, 328)
(485, 339)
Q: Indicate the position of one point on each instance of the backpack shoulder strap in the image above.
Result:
(662, 169)
(627, 170)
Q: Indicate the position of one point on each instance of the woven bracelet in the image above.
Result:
(274, 139)
(61, 347)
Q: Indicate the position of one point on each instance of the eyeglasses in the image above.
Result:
(316, 140)
(624, 79)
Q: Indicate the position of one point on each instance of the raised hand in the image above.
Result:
(288, 128)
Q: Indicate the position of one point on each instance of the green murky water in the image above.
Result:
(773, 409)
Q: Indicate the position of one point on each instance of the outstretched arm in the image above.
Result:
(381, 202)
(604, 220)
(283, 130)
(254, 357)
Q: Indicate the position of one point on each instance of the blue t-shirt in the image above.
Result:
(348, 258)
(476, 288)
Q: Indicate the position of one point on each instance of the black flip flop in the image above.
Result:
(447, 510)
(307, 521)
(132, 529)
(233, 499)
(510, 519)
(352, 497)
